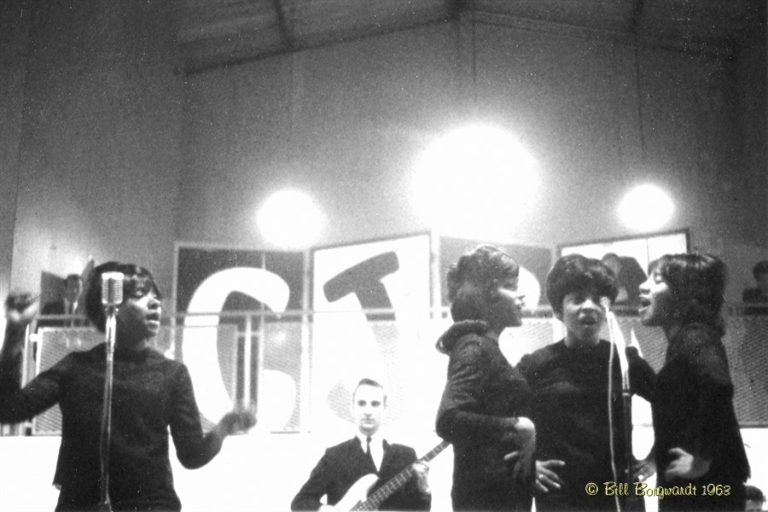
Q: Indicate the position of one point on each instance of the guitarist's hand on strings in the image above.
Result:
(547, 478)
(522, 433)
(421, 473)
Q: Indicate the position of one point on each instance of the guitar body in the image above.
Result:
(358, 492)
(357, 497)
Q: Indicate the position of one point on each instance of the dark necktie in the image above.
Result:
(368, 451)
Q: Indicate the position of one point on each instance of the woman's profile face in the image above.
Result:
(507, 305)
(655, 300)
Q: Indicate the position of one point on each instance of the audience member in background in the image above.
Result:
(629, 275)
(570, 383)
(367, 453)
(152, 394)
(486, 402)
(755, 499)
(698, 440)
(68, 304)
(759, 294)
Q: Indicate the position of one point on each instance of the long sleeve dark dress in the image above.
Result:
(481, 393)
(693, 410)
(150, 394)
(570, 410)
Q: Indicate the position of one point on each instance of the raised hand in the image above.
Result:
(21, 308)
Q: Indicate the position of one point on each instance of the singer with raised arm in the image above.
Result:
(150, 395)
(580, 434)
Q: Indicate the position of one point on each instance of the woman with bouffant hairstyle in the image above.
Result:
(153, 397)
(578, 407)
(698, 440)
(485, 404)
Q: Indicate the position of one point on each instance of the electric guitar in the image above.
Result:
(357, 497)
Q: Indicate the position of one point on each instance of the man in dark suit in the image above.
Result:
(368, 452)
(69, 304)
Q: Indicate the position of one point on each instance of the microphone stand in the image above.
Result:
(617, 339)
(106, 414)
(626, 396)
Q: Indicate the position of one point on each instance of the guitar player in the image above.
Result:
(367, 452)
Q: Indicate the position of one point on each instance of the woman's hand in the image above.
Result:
(547, 478)
(686, 466)
(644, 468)
(238, 420)
(522, 432)
(20, 308)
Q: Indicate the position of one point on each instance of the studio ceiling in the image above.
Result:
(215, 33)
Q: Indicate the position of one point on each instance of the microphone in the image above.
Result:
(605, 303)
(112, 289)
(615, 334)
(111, 298)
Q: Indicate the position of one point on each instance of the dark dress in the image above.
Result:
(570, 410)
(150, 394)
(344, 464)
(693, 410)
(481, 393)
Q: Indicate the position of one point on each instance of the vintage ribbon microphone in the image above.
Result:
(111, 298)
(624, 474)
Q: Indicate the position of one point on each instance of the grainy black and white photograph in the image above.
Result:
(447, 255)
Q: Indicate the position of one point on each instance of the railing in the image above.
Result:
(299, 367)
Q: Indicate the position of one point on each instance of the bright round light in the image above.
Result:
(290, 219)
(476, 180)
(646, 208)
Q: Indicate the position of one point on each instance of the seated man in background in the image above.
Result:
(69, 304)
(367, 453)
(758, 294)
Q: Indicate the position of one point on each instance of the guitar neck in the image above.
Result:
(392, 486)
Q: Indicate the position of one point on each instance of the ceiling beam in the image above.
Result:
(637, 13)
(282, 24)
(456, 7)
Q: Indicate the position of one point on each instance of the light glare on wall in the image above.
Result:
(290, 219)
(475, 181)
(646, 208)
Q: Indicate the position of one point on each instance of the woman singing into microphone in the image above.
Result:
(575, 425)
(486, 401)
(698, 440)
(151, 394)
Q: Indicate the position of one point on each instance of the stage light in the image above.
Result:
(475, 181)
(646, 208)
(290, 219)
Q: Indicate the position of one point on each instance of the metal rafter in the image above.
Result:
(282, 24)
